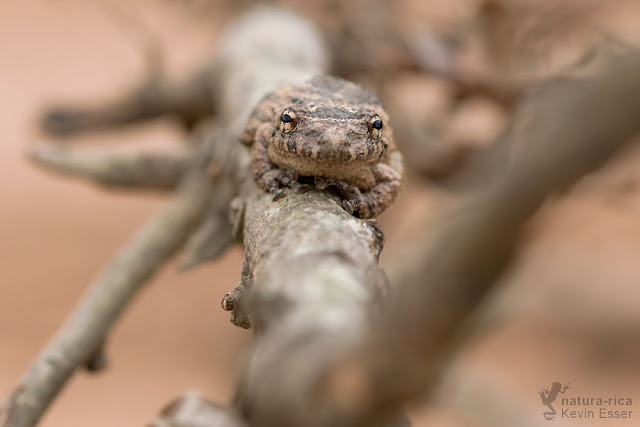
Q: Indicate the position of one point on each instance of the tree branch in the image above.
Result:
(110, 293)
(349, 372)
(312, 269)
(145, 170)
(189, 100)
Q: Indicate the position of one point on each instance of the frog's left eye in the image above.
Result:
(375, 127)
(288, 121)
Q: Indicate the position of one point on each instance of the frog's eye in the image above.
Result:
(375, 127)
(288, 121)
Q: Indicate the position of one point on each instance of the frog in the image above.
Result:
(326, 132)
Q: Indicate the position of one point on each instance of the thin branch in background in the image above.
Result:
(189, 100)
(137, 171)
(113, 289)
(437, 56)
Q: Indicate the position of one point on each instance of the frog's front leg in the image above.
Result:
(374, 201)
(267, 175)
(388, 180)
(379, 197)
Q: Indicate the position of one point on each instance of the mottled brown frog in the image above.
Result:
(326, 132)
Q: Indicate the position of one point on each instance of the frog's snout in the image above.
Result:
(333, 140)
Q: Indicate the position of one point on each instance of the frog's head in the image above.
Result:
(333, 121)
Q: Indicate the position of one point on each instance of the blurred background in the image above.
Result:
(449, 73)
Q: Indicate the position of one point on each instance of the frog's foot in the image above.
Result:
(322, 182)
(351, 206)
(277, 178)
(352, 197)
(300, 188)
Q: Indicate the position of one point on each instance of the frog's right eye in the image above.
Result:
(288, 121)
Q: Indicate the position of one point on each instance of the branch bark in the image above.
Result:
(314, 278)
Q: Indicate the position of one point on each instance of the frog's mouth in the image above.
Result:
(350, 152)
(344, 151)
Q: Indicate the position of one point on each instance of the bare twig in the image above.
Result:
(214, 234)
(145, 170)
(211, 239)
(109, 294)
(437, 57)
(189, 100)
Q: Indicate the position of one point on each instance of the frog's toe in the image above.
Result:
(348, 191)
(301, 188)
(321, 182)
(283, 180)
(354, 205)
(286, 177)
(348, 206)
(277, 193)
